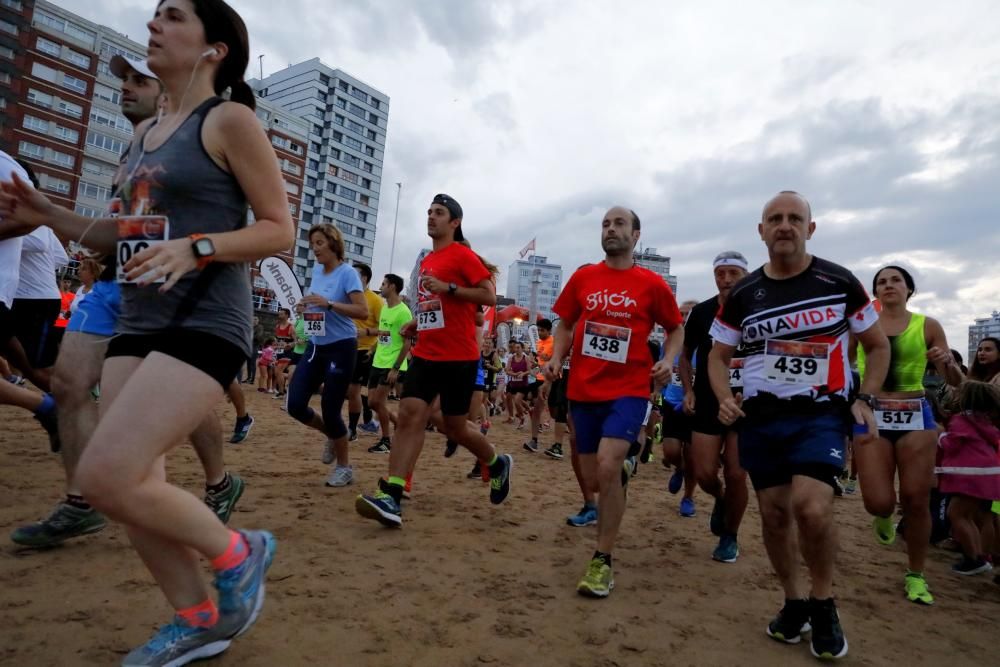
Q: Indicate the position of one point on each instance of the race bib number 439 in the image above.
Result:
(315, 324)
(796, 362)
(135, 234)
(430, 315)
(606, 342)
(736, 373)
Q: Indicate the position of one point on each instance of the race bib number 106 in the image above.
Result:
(135, 234)
(606, 342)
(797, 362)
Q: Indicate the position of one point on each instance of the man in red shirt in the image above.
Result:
(611, 308)
(453, 283)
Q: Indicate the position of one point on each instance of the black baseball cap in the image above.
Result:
(454, 208)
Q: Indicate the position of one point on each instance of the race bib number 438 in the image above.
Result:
(606, 342)
(315, 324)
(796, 362)
(135, 234)
(430, 315)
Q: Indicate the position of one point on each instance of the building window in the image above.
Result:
(57, 185)
(368, 167)
(369, 151)
(331, 188)
(364, 200)
(366, 183)
(352, 142)
(112, 120)
(49, 47)
(314, 164)
(293, 209)
(87, 211)
(12, 4)
(290, 167)
(372, 135)
(106, 143)
(63, 159)
(67, 134)
(361, 95)
(344, 209)
(372, 118)
(8, 27)
(98, 168)
(348, 176)
(40, 98)
(307, 200)
(291, 188)
(307, 217)
(350, 159)
(4, 78)
(359, 249)
(357, 110)
(28, 149)
(376, 103)
(78, 59)
(343, 86)
(362, 216)
(6, 52)
(355, 127)
(70, 109)
(310, 182)
(66, 27)
(43, 72)
(107, 94)
(94, 191)
(73, 83)
(348, 193)
(36, 124)
(345, 227)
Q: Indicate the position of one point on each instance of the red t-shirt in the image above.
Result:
(446, 325)
(615, 311)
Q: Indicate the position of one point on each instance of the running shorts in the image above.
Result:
(362, 367)
(35, 327)
(453, 381)
(380, 377)
(208, 353)
(620, 418)
(774, 450)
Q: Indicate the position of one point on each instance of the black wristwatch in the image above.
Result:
(867, 399)
(452, 288)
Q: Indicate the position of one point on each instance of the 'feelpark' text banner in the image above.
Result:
(281, 281)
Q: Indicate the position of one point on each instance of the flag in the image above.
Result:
(530, 247)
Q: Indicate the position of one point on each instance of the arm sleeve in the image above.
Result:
(352, 282)
(727, 327)
(861, 314)
(567, 306)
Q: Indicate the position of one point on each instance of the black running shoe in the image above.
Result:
(476, 472)
(828, 641)
(383, 446)
(450, 447)
(500, 480)
(790, 623)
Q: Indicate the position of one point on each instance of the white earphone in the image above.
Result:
(210, 52)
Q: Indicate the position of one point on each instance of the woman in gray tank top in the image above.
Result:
(182, 245)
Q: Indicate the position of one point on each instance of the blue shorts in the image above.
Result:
(98, 312)
(894, 436)
(621, 418)
(774, 451)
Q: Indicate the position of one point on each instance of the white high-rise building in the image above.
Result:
(520, 275)
(984, 326)
(344, 156)
(648, 258)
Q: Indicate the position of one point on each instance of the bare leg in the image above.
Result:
(610, 457)
(207, 442)
(780, 538)
(812, 504)
(915, 454)
(77, 370)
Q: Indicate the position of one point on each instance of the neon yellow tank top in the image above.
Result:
(907, 359)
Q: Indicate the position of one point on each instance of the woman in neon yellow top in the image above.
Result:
(907, 437)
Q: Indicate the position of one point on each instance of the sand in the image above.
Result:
(463, 583)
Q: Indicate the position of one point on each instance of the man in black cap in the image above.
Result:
(453, 283)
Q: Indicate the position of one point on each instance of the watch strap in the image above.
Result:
(202, 261)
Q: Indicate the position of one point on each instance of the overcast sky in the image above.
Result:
(539, 115)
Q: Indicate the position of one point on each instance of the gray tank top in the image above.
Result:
(180, 180)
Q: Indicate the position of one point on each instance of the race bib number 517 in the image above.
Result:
(796, 362)
(135, 234)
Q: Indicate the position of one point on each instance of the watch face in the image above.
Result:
(204, 248)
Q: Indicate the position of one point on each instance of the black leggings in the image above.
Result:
(329, 365)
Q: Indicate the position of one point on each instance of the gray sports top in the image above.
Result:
(179, 180)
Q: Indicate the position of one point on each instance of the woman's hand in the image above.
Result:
(23, 204)
(316, 301)
(169, 259)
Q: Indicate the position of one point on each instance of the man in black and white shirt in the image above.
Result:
(793, 318)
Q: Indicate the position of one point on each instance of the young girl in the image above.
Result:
(265, 367)
(970, 471)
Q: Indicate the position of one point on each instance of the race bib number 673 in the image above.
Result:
(430, 315)
(606, 342)
(135, 234)
(796, 362)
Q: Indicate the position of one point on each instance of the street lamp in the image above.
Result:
(395, 220)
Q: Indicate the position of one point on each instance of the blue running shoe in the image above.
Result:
(687, 509)
(727, 551)
(676, 481)
(241, 588)
(587, 516)
(381, 507)
(178, 644)
(370, 427)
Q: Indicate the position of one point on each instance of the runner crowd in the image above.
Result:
(790, 375)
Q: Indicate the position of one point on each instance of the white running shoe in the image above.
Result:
(341, 476)
(329, 453)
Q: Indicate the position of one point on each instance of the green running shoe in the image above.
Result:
(224, 502)
(65, 522)
(598, 581)
(885, 531)
(917, 589)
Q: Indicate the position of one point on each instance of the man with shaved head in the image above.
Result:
(793, 318)
(608, 311)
